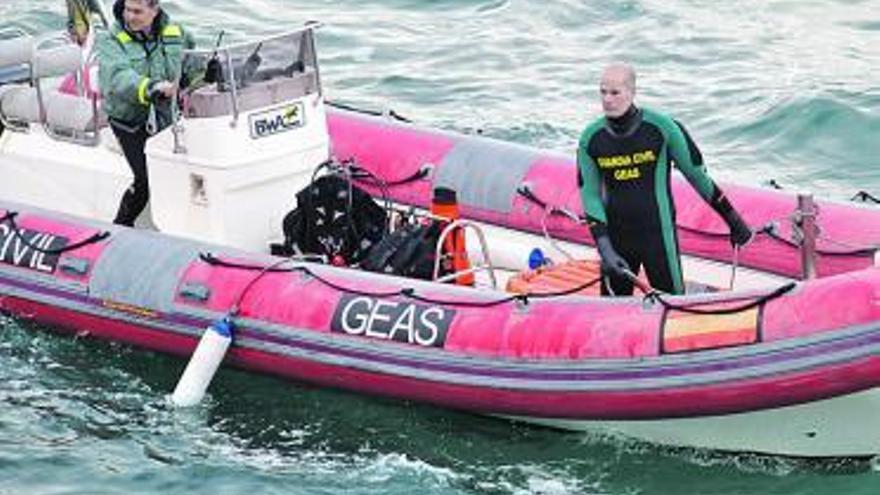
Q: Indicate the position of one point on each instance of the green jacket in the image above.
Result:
(128, 64)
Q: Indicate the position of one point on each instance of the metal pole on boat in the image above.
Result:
(805, 222)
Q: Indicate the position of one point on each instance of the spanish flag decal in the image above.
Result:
(683, 332)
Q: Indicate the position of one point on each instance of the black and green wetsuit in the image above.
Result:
(624, 168)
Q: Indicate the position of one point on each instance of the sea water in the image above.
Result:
(780, 90)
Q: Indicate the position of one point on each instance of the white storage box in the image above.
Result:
(233, 184)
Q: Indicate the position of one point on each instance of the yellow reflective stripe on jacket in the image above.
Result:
(169, 31)
(172, 31)
(142, 91)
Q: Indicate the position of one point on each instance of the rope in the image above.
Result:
(704, 233)
(865, 197)
(529, 195)
(233, 310)
(361, 174)
(554, 210)
(375, 113)
(734, 265)
(546, 231)
(691, 309)
(856, 248)
(10, 219)
(548, 212)
(407, 292)
(215, 261)
(768, 229)
(410, 293)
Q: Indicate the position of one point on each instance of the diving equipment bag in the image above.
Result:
(333, 218)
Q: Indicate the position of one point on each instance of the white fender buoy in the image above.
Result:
(203, 364)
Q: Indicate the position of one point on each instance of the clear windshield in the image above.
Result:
(240, 77)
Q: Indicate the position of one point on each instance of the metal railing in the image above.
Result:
(486, 264)
(804, 222)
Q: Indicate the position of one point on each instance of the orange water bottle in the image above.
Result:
(445, 206)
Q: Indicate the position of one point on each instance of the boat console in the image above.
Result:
(250, 128)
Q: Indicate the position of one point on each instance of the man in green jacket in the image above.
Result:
(139, 68)
(624, 164)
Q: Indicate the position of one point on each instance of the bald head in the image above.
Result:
(617, 89)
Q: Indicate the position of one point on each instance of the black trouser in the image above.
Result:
(133, 141)
(646, 248)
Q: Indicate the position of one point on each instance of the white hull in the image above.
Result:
(840, 427)
(86, 181)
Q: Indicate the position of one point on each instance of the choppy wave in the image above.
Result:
(96, 414)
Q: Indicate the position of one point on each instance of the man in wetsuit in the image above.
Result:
(624, 165)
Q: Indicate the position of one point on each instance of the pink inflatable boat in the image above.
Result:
(784, 365)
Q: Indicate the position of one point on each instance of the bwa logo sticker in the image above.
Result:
(277, 120)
